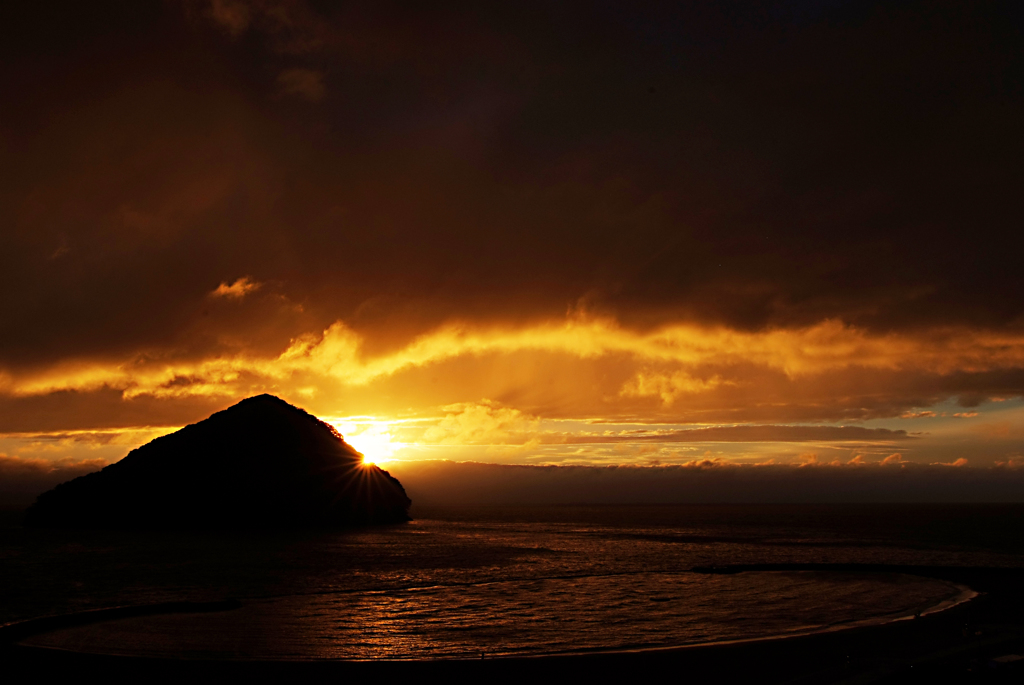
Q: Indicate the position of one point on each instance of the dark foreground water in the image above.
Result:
(470, 582)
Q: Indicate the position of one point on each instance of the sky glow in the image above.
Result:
(607, 236)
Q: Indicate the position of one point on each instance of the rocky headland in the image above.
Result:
(261, 463)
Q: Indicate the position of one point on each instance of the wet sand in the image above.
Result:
(954, 645)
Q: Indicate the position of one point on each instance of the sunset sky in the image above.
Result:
(527, 233)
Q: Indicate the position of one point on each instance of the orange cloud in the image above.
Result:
(237, 290)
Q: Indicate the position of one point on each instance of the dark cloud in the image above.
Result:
(785, 167)
(441, 483)
(759, 166)
(304, 83)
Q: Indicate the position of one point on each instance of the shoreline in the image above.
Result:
(964, 637)
(965, 595)
(15, 633)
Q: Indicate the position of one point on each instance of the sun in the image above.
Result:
(372, 440)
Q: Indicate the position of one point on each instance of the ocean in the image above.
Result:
(510, 581)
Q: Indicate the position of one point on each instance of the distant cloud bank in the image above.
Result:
(21, 479)
(705, 481)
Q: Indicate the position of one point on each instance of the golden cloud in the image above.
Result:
(482, 423)
(669, 386)
(336, 355)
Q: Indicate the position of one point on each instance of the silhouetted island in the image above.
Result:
(260, 463)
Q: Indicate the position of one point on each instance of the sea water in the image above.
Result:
(499, 582)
